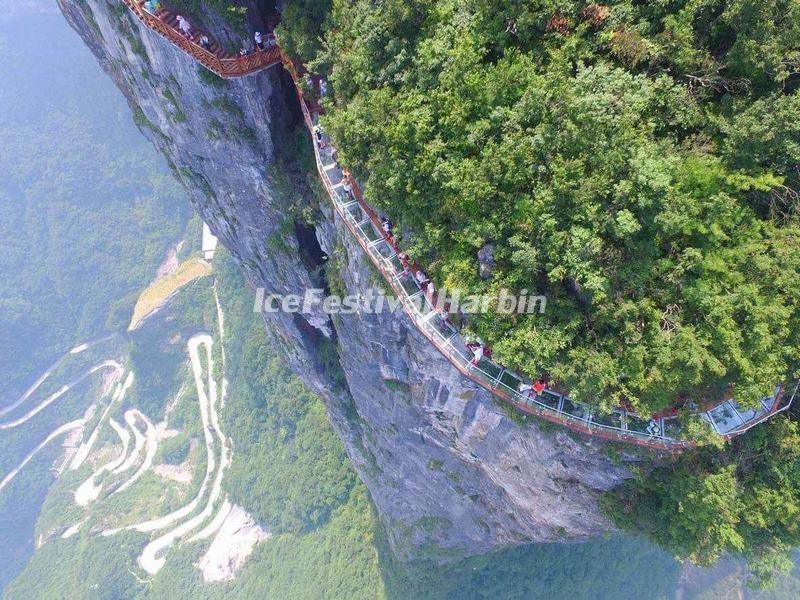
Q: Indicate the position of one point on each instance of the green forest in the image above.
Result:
(87, 208)
(87, 212)
(636, 162)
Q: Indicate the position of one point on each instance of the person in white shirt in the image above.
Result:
(184, 26)
(259, 40)
(318, 134)
(425, 284)
(444, 321)
(348, 189)
(477, 355)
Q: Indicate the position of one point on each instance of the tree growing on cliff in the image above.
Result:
(744, 500)
(301, 27)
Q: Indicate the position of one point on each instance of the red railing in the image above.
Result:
(224, 66)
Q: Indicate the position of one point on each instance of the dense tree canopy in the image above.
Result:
(745, 500)
(638, 163)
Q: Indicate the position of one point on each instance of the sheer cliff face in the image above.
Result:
(449, 471)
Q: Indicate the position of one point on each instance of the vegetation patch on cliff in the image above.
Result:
(601, 149)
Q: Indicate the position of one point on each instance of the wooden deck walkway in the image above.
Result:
(214, 58)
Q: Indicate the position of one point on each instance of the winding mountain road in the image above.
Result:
(107, 364)
(151, 559)
(57, 432)
(89, 491)
(86, 447)
(151, 445)
(44, 376)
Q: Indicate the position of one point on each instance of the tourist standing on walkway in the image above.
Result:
(423, 281)
(477, 353)
(320, 136)
(348, 189)
(259, 40)
(184, 26)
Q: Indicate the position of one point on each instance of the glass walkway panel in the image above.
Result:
(726, 418)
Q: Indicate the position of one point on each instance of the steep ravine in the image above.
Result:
(448, 470)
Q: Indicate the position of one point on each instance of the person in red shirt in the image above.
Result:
(530, 389)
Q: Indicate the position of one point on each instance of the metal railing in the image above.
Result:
(363, 223)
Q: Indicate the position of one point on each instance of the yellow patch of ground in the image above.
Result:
(151, 299)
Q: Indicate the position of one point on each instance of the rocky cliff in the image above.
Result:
(449, 470)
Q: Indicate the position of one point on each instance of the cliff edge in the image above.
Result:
(450, 471)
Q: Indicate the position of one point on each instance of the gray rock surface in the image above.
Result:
(486, 262)
(450, 473)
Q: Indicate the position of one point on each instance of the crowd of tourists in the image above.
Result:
(261, 41)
